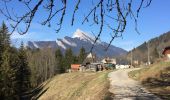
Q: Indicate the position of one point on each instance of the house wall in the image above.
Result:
(75, 66)
(168, 56)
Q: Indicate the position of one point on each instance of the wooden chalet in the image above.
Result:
(166, 53)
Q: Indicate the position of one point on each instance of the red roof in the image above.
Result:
(166, 48)
(75, 66)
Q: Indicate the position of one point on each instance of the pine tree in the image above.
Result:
(59, 61)
(23, 73)
(75, 59)
(68, 59)
(7, 77)
(7, 72)
(4, 40)
(1, 53)
(81, 55)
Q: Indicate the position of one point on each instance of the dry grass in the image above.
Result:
(77, 86)
(156, 78)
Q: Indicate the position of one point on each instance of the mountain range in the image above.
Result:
(78, 40)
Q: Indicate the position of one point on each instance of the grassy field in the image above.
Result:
(77, 86)
(156, 78)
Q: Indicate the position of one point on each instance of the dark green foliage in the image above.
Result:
(4, 40)
(68, 58)
(75, 60)
(7, 77)
(7, 72)
(59, 62)
(64, 62)
(82, 55)
(14, 70)
(23, 72)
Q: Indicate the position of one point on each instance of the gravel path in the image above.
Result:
(125, 88)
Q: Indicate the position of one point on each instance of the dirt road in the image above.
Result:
(125, 88)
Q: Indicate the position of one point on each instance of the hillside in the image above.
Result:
(156, 46)
(156, 78)
(76, 86)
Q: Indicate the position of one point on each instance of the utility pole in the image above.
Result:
(148, 54)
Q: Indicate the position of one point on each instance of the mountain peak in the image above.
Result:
(83, 35)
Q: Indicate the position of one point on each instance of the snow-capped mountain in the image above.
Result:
(78, 40)
(83, 36)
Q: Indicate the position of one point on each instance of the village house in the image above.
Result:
(91, 58)
(166, 53)
(109, 60)
(75, 67)
(109, 63)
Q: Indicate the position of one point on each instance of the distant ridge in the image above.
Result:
(78, 40)
(156, 46)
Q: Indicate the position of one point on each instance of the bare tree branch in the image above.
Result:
(115, 10)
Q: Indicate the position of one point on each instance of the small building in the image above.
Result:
(108, 60)
(94, 67)
(166, 53)
(91, 58)
(75, 67)
(109, 63)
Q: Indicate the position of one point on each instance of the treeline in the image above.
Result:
(14, 70)
(155, 47)
(23, 69)
(45, 63)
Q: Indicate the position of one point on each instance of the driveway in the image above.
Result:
(125, 88)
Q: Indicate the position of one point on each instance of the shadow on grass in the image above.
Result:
(109, 96)
(35, 93)
(38, 92)
(160, 84)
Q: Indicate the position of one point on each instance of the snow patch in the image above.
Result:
(83, 36)
(69, 43)
(35, 45)
(60, 44)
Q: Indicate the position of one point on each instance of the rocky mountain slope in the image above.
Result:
(78, 40)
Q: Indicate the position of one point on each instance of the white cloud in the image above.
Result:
(16, 35)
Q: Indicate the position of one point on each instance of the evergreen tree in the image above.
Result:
(82, 55)
(59, 61)
(1, 52)
(68, 60)
(7, 72)
(4, 40)
(7, 77)
(23, 73)
(75, 59)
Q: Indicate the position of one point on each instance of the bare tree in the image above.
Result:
(116, 10)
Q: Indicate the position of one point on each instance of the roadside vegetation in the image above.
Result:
(156, 78)
(76, 86)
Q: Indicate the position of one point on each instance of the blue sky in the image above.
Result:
(153, 21)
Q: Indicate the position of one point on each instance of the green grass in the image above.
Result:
(78, 86)
(156, 78)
